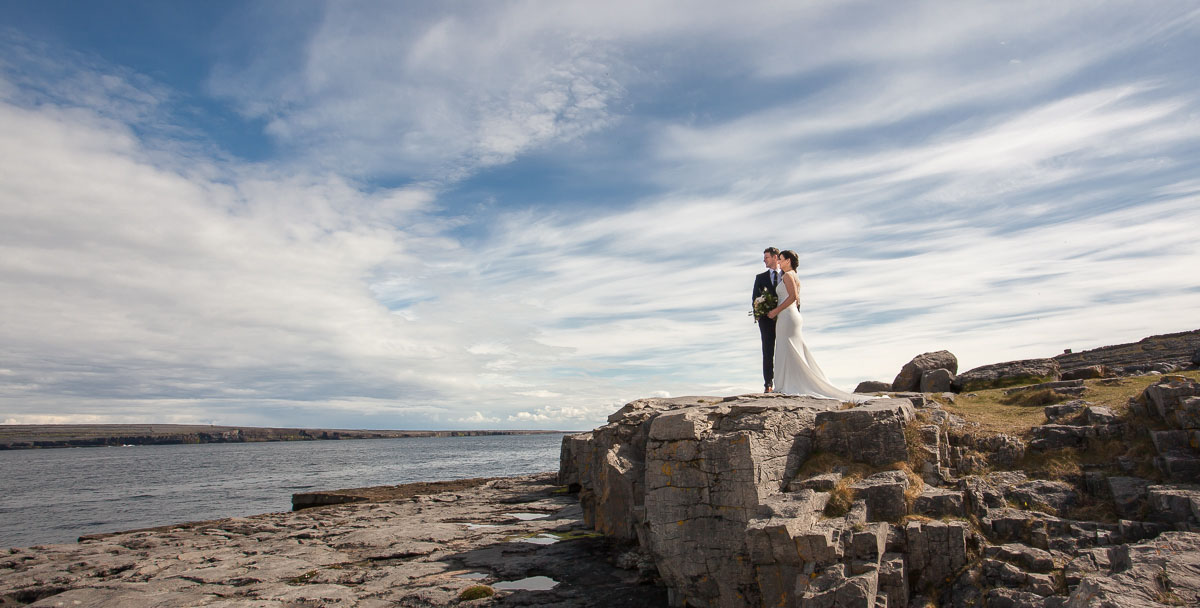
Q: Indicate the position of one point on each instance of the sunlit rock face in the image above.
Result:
(690, 479)
(768, 500)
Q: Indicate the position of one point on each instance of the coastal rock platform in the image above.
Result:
(424, 550)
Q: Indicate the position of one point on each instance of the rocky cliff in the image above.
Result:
(765, 500)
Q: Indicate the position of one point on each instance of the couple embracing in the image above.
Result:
(788, 366)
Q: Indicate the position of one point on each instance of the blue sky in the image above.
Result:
(525, 214)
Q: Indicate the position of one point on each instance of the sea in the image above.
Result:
(57, 495)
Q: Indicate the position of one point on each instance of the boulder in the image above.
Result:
(873, 386)
(1011, 373)
(909, 378)
(1097, 415)
(937, 381)
(1085, 373)
(1166, 396)
(1061, 413)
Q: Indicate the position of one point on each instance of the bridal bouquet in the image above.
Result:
(764, 304)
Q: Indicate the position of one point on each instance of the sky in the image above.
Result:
(524, 214)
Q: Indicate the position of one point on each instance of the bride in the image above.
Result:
(796, 372)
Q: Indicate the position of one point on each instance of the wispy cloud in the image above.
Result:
(1002, 181)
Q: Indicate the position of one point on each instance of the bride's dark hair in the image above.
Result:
(791, 257)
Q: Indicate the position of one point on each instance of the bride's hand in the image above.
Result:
(772, 314)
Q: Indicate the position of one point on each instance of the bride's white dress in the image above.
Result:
(796, 372)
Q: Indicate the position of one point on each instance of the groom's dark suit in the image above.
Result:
(766, 326)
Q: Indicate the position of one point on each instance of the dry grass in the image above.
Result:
(1093, 509)
(989, 410)
(1040, 398)
(1052, 464)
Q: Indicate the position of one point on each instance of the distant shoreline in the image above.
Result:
(50, 436)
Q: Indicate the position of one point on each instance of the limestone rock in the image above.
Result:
(1011, 373)
(1054, 386)
(1128, 494)
(1167, 396)
(909, 378)
(397, 553)
(1062, 412)
(1041, 494)
(1028, 558)
(1165, 570)
(872, 433)
(936, 550)
(873, 386)
(884, 495)
(1175, 504)
(939, 502)
(936, 381)
(1089, 372)
(1101, 416)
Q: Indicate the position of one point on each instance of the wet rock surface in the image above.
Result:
(417, 551)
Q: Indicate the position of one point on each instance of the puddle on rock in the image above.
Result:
(533, 583)
(472, 575)
(480, 526)
(540, 539)
(528, 516)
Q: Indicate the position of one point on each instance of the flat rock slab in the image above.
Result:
(419, 550)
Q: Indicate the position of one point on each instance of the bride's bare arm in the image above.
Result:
(789, 281)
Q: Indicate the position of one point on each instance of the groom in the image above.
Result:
(766, 326)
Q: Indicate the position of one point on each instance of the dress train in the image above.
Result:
(796, 371)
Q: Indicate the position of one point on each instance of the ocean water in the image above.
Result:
(57, 495)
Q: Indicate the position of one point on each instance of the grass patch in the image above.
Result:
(1052, 464)
(988, 409)
(475, 592)
(1116, 397)
(1038, 398)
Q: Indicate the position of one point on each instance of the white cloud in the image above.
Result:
(940, 196)
(478, 418)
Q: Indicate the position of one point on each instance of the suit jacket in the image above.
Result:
(762, 281)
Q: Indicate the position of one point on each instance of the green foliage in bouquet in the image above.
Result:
(764, 304)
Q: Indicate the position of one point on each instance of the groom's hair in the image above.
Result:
(771, 250)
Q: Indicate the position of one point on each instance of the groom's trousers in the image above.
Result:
(766, 328)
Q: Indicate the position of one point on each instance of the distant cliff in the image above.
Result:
(32, 436)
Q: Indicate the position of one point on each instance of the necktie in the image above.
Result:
(774, 279)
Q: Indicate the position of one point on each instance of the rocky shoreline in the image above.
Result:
(748, 500)
(424, 549)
